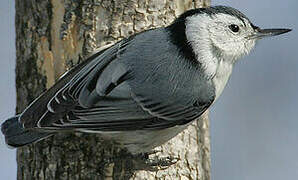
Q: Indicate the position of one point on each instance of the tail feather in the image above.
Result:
(16, 135)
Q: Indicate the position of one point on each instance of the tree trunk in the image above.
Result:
(54, 35)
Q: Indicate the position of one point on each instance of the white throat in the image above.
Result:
(223, 72)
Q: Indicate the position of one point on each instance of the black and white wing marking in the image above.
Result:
(57, 101)
(97, 95)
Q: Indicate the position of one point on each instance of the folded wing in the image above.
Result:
(96, 95)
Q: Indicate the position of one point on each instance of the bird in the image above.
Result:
(145, 89)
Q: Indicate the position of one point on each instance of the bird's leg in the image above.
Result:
(144, 162)
(150, 161)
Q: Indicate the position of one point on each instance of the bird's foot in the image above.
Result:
(143, 161)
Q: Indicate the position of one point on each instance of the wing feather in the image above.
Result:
(97, 95)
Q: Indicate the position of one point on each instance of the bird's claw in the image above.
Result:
(161, 163)
(155, 163)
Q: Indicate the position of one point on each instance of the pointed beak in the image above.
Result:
(261, 33)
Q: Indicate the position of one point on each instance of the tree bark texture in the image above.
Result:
(54, 35)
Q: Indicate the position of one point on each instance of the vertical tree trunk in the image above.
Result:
(52, 36)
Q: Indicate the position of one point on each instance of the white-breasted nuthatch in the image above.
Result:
(147, 88)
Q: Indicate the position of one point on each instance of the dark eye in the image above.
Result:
(234, 28)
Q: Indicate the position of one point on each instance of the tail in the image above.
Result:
(16, 135)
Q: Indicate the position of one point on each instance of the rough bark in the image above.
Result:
(54, 35)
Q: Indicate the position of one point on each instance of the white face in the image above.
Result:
(225, 35)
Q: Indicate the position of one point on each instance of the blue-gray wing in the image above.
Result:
(57, 101)
(101, 96)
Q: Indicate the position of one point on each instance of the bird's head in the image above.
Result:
(221, 31)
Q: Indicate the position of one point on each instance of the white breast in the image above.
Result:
(140, 140)
(223, 72)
